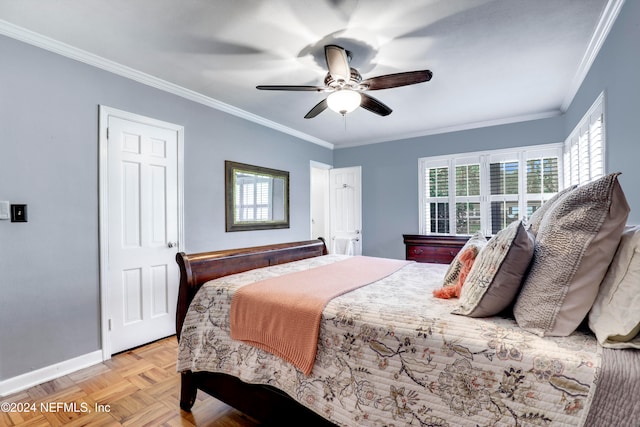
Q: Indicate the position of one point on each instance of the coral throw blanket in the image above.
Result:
(282, 314)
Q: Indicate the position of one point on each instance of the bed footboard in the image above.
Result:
(263, 403)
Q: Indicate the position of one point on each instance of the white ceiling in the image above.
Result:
(493, 61)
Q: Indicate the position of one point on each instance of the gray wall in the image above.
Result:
(616, 71)
(390, 169)
(49, 290)
(390, 175)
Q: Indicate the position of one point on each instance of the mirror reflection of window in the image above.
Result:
(257, 197)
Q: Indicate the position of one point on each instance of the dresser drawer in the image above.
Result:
(433, 249)
(438, 255)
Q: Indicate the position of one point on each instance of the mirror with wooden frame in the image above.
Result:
(257, 198)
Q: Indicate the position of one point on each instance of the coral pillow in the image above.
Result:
(466, 259)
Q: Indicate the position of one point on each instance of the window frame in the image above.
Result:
(484, 158)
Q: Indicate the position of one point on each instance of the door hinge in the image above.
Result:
(107, 133)
(109, 324)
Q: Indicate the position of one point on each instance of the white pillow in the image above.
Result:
(615, 315)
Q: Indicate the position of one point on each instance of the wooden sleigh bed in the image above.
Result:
(272, 406)
(513, 349)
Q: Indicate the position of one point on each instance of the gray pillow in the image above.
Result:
(497, 272)
(536, 218)
(574, 246)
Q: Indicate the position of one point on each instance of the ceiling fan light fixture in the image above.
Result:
(348, 90)
(344, 101)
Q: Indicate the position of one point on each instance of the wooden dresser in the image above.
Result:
(436, 249)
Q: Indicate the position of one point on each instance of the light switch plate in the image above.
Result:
(18, 213)
(4, 210)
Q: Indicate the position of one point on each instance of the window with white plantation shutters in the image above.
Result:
(543, 178)
(436, 190)
(486, 191)
(584, 148)
(468, 218)
(504, 189)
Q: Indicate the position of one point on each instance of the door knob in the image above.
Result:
(172, 244)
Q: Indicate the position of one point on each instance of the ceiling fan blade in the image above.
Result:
(319, 108)
(296, 88)
(375, 106)
(337, 62)
(398, 79)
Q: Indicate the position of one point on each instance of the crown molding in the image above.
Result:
(459, 128)
(27, 36)
(607, 19)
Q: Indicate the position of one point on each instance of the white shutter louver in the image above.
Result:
(584, 148)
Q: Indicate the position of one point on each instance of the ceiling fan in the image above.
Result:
(346, 87)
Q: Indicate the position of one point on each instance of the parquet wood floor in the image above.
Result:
(139, 387)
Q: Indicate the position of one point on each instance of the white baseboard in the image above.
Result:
(48, 373)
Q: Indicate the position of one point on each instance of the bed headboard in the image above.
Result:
(197, 269)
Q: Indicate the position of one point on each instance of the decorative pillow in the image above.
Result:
(577, 239)
(466, 259)
(497, 273)
(615, 316)
(451, 276)
(536, 218)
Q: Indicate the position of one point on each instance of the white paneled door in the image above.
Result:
(143, 232)
(345, 204)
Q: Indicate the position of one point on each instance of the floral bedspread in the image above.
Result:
(390, 354)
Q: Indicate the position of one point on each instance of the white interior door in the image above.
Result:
(143, 232)
(320, 213)
(345, 204)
